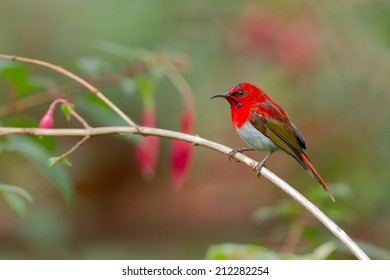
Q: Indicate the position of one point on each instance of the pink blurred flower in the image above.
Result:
(148, 148)
(260, 30)
(298, 46)
(290, 42)
(181, 152)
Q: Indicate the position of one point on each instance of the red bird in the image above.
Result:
(265, 126)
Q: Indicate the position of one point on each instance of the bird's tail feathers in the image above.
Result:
(310, 168)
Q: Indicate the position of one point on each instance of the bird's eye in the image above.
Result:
(240, 93)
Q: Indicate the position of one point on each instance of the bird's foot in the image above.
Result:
(258, 166)
(238, 150)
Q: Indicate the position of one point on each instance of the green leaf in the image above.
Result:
(16, 203)
(20, 78)
(5, 188)
(15, 197)
(38, 155)
(98, 111)
(20, 122)
(15, 72)
(146, 85)
(65, 108)
(54, 160)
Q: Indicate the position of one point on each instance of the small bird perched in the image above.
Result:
(265, 126)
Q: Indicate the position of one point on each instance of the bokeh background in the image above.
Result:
(326, 63)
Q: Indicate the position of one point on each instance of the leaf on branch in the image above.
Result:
(65, 108)
(54, 160)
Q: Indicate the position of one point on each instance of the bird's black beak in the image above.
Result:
(223, 95)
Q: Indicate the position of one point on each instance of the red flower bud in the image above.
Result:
(47, 120)
(181, 152)
(147, 149)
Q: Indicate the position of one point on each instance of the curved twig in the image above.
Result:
(199, 141)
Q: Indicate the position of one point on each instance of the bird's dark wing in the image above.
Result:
(274, 123)
(282, 134)
(299, 136)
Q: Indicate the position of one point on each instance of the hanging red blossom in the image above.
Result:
(181, 152)
(148, 148)
(47, 121)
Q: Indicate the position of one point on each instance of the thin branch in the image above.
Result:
(78, 117)
(79, 143)
(199, 141)
(71, 150)
(76, 78)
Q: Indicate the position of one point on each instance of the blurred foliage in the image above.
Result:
(39, 155)
(15, 198)
(326, 63)
(253, 252)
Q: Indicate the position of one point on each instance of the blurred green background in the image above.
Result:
(326, 63)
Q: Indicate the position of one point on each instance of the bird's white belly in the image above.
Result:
(255, 138)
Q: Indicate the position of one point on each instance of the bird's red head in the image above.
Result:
(243, 98)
